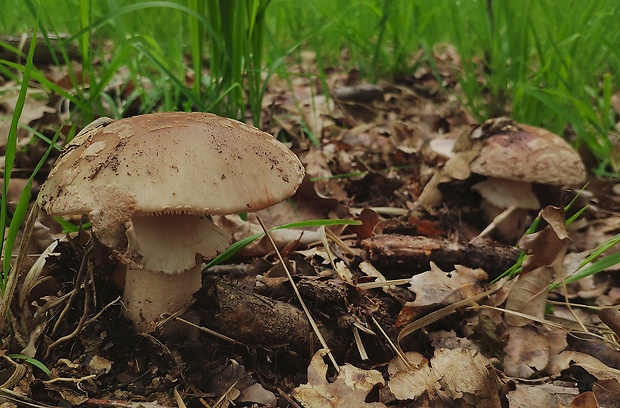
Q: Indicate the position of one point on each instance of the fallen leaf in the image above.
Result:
(611, 317)
(606, 392)
(541, 395)
(349, 389)
(528, 295)
(436, 288)
(527, 352)
(546, 250)
(461, 374)
(585, 400)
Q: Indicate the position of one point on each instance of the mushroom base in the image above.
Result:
(150, 294)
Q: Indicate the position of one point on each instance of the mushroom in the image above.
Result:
(149, 184)
(512, 157)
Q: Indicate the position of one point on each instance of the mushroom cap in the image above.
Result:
(526, 153)
(192, 163)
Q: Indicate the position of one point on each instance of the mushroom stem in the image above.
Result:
(148, 294)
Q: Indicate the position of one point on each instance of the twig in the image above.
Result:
(493, 224)
(220, 401)
(570, 309)
(208, 331)
(70, 380)
(301, 301)
(78, 283)
(288, 398)
(360, 344)
(87, 299)
(394, 347)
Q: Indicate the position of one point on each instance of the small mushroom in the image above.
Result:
(149, 184)
(512, 157)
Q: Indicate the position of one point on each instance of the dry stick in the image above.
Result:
(103, 309)
(208, 331)
(360, 344)
(493, 224)
(545, 322)
(288, 398)
(570, 309)
(220, 401)
(301, 301)
(338, 240)
(399, 352)
(327, 249)
(81, 323)
(21, 400)
(78, 283)
(15, 270)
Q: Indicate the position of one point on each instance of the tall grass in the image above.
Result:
(543, 62)
(545, 65)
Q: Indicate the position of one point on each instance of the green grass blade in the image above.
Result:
(33, 361)
(239, 245)
(9, 155)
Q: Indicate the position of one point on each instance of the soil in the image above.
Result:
(380, 292)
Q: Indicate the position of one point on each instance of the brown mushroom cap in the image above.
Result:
(192, 163)
(527, 153)
(147, 184)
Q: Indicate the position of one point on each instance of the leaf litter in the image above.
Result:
(408, 325)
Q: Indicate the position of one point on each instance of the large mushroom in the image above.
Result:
(512, 157)
(149, 184)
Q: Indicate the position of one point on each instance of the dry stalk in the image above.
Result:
(301, 301)
(208, 331)
(15, 270)
(78, 283)
(443, 312)
(83, 277)
(493, 224)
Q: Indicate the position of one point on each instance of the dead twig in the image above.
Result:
(301, 301)
(82, 278)
(78, 283)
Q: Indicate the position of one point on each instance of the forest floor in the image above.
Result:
(404, 300)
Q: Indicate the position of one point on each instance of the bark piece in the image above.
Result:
(404, 255)
(254, 319)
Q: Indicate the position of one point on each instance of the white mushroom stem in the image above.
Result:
(164, 261)
(149, 294)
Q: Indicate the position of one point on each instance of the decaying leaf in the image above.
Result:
(527, 352)
(233, 383)
(437, 288)
(546, 250)
(350, 389)
(460, 374)
(541, 395)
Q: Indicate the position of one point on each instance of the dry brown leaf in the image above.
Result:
(35, 106)
(350, 389)
(593, 365)
(233, 382)
(606, 392)
(541, 395)
(461, 374)
(546, 250)
(585, 400)
(611, 317)
(529, 296)
(546, 247)
(527, 352)
(556, 338)
(436, 288)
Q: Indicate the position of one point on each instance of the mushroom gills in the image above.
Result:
(169, 242)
